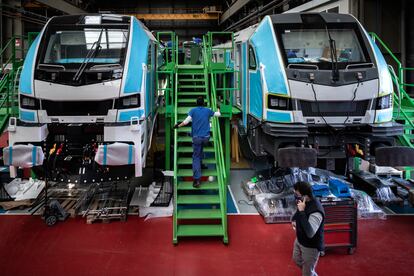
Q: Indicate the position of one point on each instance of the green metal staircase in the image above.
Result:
(10, 68)
(198, 212)
(403, 112)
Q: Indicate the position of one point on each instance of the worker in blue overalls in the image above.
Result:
(200, 131)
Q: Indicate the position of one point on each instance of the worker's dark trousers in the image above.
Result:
(198, 143)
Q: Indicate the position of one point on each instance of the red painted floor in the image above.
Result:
(28, 247)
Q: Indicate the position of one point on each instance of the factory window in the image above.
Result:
(252, 59)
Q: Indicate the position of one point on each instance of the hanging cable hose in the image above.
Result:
(353, 99)
(317, 106)
(330, 128)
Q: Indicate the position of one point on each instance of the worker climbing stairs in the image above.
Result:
(197, 211)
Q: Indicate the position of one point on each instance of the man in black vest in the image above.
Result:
(308, 223)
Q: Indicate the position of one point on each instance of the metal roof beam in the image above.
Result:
(235, 7)
(62, 6)
(177, 16)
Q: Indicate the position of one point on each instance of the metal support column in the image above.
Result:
(227, 148)
(167, 143)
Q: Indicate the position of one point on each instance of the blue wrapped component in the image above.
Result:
(321, 190)
(339, 188)
(197, 40)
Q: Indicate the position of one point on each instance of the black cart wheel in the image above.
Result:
(351, 250)
(51, 220)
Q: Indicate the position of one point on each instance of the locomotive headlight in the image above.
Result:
(29, 102)
(128, 102)
(275, 102)
(384, 102)
(117, 74)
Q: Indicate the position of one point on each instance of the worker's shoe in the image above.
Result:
(196, 183)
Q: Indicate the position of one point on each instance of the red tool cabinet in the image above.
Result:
(341, 219)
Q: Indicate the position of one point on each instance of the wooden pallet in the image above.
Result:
(69, 205)
(105, 214)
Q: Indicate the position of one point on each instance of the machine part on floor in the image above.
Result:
(367, 209)
(156, 212)
(109, 202)
(165, 194)
(24, 189)
(4, 195)
(275, 208)
(71, 197)
(408, 189)
(341, 223)
(53, 213)
(339, 188)
(382, 191)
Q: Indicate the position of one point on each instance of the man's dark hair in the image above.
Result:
(200, 101)
(304, 188)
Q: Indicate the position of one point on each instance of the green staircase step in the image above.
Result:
(184, 129)
(192, 93)
(198, 199)
(199, 230)
(190, 66)
(184, 109)
(189, 161)
(188, 185)
(195, 73)
(199, 214)
(189, 100)
(187, 139)
(191, 86)
(191, 80)
(189, 172)
(190, 149)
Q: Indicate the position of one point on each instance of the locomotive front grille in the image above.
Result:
(333, 108)
(77, 108)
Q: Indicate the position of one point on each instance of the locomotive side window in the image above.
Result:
(252, 59)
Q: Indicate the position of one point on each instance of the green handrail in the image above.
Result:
(175, 157)
(221, 171)
(400, 79)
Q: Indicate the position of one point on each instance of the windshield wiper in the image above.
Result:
(334, 57)
(91, 53)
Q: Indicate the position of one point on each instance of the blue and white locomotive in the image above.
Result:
(88, 87)
(313, 80)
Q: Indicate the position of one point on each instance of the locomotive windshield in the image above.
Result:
(82, 54)
(70, 47)
(322, 45)
(312, 46)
